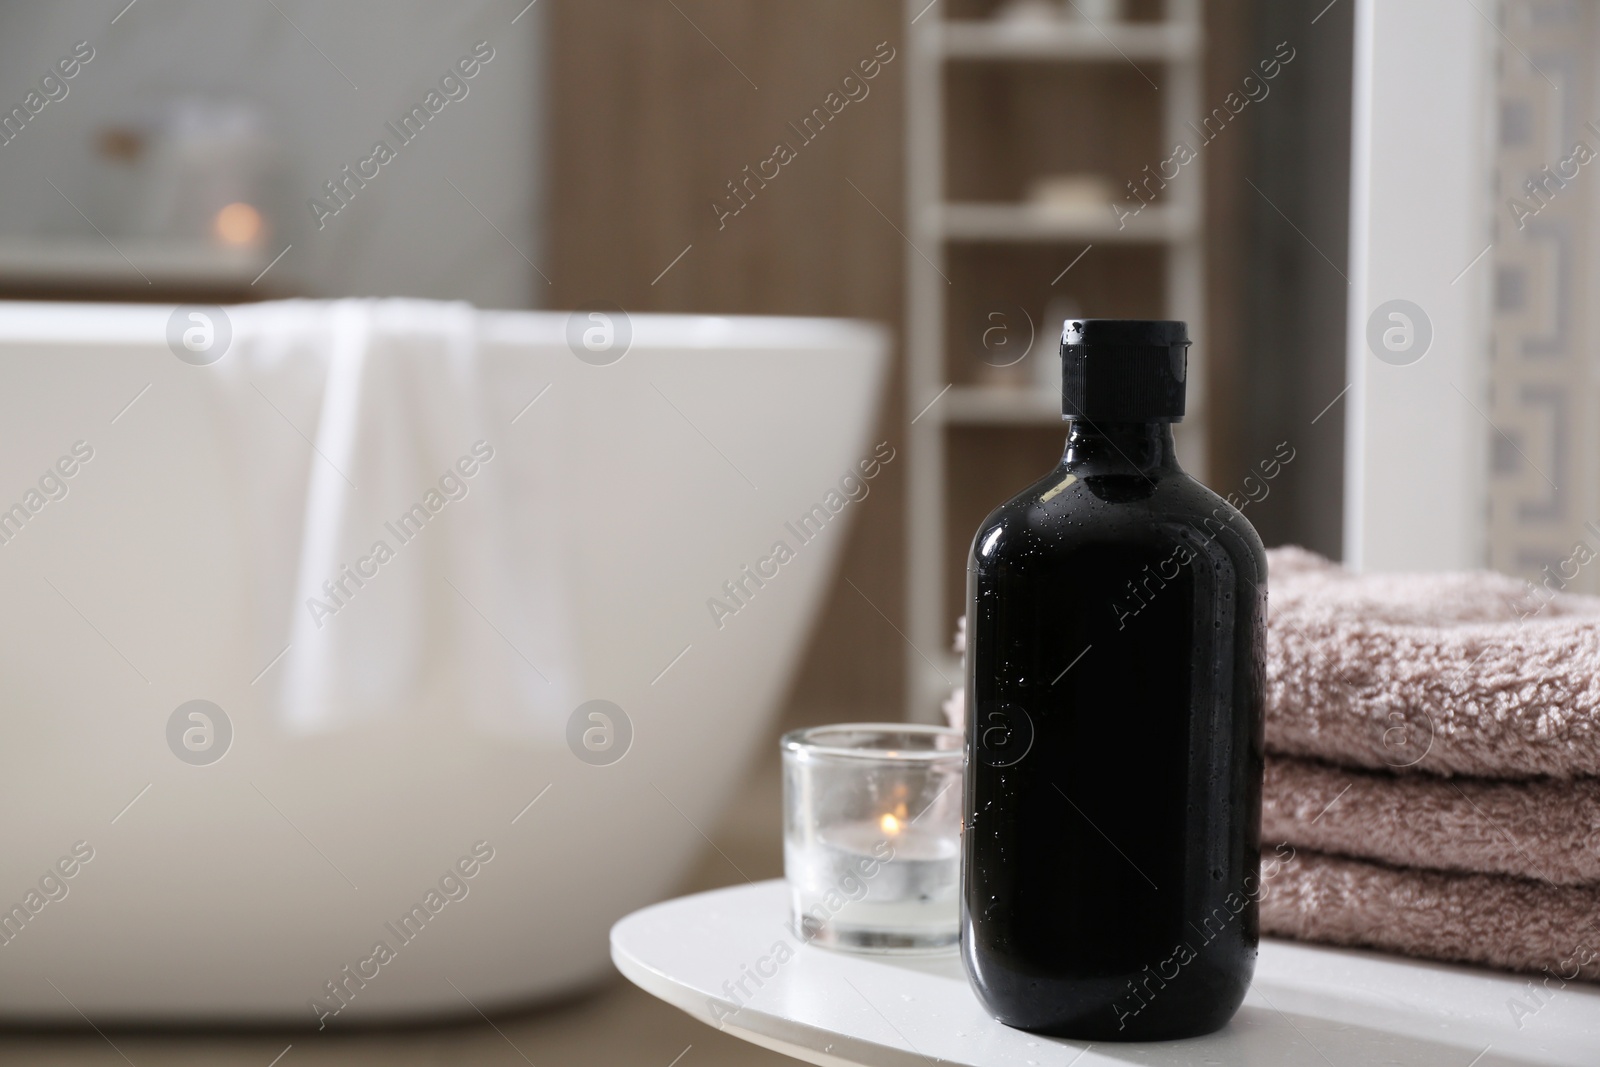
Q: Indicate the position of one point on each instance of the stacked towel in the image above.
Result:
(1443, 673)
(1432, 746)
(1432, 766)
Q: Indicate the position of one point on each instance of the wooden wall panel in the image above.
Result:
(650, 119)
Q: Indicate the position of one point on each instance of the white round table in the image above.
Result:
(729, 959)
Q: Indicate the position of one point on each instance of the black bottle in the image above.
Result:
(1116, 631)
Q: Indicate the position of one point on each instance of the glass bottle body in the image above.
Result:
(1116, 628)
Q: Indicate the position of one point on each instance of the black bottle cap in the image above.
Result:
(1123, 370)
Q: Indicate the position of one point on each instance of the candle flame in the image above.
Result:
(889, 824)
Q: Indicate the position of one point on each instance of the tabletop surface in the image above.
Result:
(728, 958)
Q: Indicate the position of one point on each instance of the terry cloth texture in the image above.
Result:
(1511, 923)
(1545, 829)
(1468, 673)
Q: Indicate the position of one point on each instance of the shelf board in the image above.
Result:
(999, 405)
(1112, 41)
(94, 261)
(1156, 224)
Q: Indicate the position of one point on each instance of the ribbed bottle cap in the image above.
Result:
(1123, 370)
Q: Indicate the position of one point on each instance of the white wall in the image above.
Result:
(1416, 435)
(407, 233)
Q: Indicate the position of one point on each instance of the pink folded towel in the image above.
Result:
(1469, 673)
(1545, 829)
(1488, 687)
(1512, 923)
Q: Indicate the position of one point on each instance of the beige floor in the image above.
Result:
(619, 1026)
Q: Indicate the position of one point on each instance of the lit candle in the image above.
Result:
(883, 882)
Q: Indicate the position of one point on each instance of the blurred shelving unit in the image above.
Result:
(91, 262)
(1173, 40)
(1164, 45)
(133, 269)
(1026, 222)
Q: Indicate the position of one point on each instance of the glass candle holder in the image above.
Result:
(872, 835)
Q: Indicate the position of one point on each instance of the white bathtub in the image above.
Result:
(237, 891)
